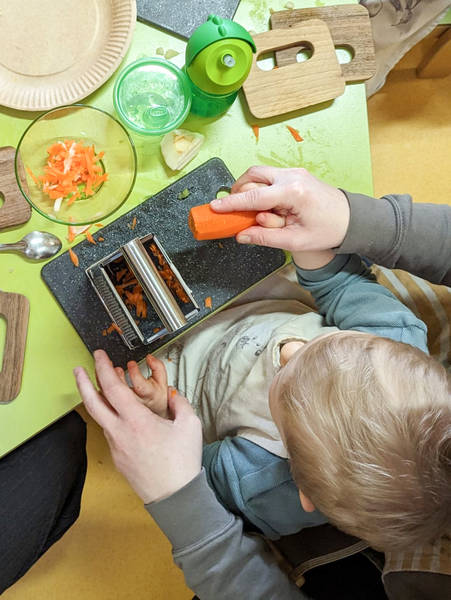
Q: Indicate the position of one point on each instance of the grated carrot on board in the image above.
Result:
(72, 171)
(89, 237)
(111, 328)
(256, 130)
(295, 133)
(73, 257)
(98, 224)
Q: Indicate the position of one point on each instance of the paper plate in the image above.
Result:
(56, 53)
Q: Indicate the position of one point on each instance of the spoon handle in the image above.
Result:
(16, 247)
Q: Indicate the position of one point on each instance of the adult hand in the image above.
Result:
(157, 456)
(298, 211)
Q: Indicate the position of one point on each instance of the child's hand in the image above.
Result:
(153, 392)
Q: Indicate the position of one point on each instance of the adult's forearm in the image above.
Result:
(396, 233)
(218, 560)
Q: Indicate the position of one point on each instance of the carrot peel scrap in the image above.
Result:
(256, 130)
(208, 302)
(295, 133)
(73, 257)
(89, 237)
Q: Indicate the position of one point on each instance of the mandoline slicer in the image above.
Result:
(142, 264)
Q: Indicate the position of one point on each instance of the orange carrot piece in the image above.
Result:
(71, 234)
(256, 130)
(156, 329)
(208, 302)
(73, 257)
(89, 237)
(116, 328)
(98, 224)
(295, 133)
(100, 239)
(133, 225)
(33, 176)
(206, 224)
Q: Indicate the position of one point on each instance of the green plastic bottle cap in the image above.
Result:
(152, 96)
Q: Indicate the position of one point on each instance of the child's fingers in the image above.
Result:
(158, 370)
(141, 385)
(121, 374)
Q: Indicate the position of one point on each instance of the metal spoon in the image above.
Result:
(36, 245)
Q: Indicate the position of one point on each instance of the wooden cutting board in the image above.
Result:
(349, 26)
(14, 308)
(296, 85)
(15, 209)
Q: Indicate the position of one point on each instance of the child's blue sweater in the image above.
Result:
(256, 483)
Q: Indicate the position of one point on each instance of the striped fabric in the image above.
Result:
(431, 558)
(430, 303)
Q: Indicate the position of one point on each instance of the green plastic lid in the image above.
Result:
(152, 96)
(214, 29)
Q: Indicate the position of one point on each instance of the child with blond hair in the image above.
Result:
(338, 416)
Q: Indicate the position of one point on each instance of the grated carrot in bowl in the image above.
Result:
(72, 171)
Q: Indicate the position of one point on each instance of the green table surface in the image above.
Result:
(335, 148)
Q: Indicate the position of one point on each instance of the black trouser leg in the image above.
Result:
(40, 491)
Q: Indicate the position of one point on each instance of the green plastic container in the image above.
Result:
(152, 96)
(218, 60)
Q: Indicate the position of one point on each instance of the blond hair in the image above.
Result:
(367, 424)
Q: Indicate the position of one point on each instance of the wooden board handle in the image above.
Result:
(15, 209)
(15, 308)
(294, 86)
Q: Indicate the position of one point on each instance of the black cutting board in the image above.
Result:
(185, 16)
(220, 269)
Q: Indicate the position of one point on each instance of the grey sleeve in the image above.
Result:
(218, 560)
(397, 233)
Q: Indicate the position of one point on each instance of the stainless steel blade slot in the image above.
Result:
(116, 309)
(153, 285)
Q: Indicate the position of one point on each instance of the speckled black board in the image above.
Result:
(209, 269)
(185, 16)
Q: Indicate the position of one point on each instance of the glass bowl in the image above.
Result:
(99, 183)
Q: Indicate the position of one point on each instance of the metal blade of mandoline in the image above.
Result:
(115, 310)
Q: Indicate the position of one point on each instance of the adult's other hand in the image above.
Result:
(157, 456)
(298, 212)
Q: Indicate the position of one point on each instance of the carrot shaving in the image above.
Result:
(295, 133)
(73, 257)
(98, 224)
(100, 239)
(116, 328)
(71, 171)
(256, 130)
(89, 237)
(208, 302)
(133, 225)
(33, 176)
(111, 328)
(75, 230)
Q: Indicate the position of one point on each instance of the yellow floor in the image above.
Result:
(115, 551)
